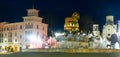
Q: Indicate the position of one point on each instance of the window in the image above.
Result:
(28, 25)
(15, 40)
(5, 34)
(37, 27)
(1, 37)
(14, 27)
(43, 28)
(10, 37)
(20, 26)
(7, 28)
(4, 28)
(20, 36)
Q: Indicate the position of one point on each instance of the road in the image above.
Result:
(58, 54)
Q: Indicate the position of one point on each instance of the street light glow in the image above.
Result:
(32, 37)
(59, 34)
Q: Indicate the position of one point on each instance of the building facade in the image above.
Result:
(118, 26)
(31, 33)
(109, 28)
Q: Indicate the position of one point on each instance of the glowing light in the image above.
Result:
(83, 34)
(32, 38)
(36, 42)
(46, 46)
(59, 34)
(90, 35)
(117, 45)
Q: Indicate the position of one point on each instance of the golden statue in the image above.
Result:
(71, 23)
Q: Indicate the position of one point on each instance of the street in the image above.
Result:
(59, 54)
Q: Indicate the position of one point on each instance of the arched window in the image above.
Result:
(28, 25)
(20, 26)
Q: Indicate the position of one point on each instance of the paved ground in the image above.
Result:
(58, 54)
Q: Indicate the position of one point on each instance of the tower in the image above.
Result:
(32, 12)
(96, 31)
(109, 28)
(35, 29)
(32, 15)
(109, 19)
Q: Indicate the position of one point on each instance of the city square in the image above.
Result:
(52, 30)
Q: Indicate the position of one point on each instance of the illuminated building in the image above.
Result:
(109, 28)
(96, 31)
(27, 34)
(71, 23)
(118, 28)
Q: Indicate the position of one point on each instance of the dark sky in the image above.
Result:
(55, 11)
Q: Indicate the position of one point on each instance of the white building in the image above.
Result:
(109, 28)
(27, 34)
(118, 27)
(96, 31)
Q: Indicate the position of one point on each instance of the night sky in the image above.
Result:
(55, 11)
